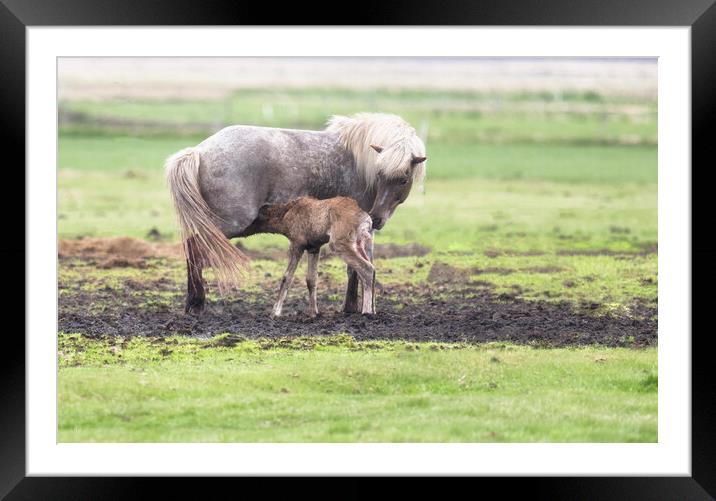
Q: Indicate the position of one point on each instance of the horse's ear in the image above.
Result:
(418, 160)
(377, 148)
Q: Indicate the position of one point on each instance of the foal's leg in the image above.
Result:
(195, 296)
(351, 302)
(294, 256)
(311, 280)
(369, 252)
(367, 276)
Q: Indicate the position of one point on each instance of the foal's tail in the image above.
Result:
(209, 246)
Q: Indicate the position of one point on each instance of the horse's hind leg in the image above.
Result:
(195, 297)
(311, 280)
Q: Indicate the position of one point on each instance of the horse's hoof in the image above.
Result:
(194, 309)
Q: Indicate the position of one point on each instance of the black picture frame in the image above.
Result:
(700, 15)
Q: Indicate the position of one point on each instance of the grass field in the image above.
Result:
(551, 199)
(338, 390)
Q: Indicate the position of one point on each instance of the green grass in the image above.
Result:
(452, 117)
(117, 153)
(475, 197)
(339, 390)
(571, 164)
(544, 162)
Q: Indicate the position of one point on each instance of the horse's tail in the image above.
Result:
(196, 220)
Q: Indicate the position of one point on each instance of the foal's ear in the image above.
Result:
(418, 160)
(379, 149)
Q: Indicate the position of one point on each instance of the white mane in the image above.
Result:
(398, 139)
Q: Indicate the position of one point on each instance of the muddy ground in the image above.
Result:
(446, 307)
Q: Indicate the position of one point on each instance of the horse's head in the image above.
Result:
(399, 163)
(391, 191)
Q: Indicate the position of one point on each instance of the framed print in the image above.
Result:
(496, 213)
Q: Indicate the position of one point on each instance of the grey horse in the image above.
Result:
(219, 186)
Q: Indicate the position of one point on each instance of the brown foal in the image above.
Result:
(309, 223)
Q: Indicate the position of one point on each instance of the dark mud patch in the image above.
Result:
(644, 249)
(480, 283)
(543, 269)
(121, 262)
(496, 270)
(468, 312)
(492, 270)
(498, 253)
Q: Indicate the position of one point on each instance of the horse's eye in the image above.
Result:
(404, 181)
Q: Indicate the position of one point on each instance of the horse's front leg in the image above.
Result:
(351, 303)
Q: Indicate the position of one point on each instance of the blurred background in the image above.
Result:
(547, 154)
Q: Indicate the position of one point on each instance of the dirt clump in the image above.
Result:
(444, 273)
(127, 248)
(155, 235)
(387, 251)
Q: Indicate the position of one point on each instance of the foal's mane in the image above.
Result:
(398, 139)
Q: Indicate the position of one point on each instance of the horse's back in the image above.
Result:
(243, 167)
